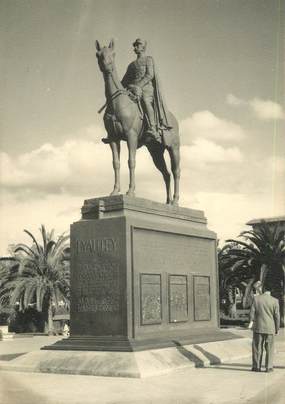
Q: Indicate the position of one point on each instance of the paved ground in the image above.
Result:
(230, 383)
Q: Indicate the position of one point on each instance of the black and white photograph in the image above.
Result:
(142, 201)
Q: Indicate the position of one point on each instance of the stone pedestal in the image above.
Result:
(143, 275)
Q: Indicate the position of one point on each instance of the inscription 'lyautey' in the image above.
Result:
(96, 245)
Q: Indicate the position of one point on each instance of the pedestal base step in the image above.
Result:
(91, 343)
(130, 364)
(120, 343)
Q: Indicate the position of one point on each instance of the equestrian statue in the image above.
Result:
(136, 113)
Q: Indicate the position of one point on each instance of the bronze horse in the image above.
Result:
(129, 127)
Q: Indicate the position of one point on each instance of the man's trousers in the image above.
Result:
(259, 343)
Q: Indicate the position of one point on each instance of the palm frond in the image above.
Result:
(41, 276)
(29, 293)
(40, 295)
(246, 246)
(44, 236)
(26, 249)
(49, 247)
(39, 249)
(18, 292)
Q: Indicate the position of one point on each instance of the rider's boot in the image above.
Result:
(152, 131)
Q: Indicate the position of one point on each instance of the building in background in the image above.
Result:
(272, 221)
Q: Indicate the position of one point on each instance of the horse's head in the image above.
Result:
(105, 56)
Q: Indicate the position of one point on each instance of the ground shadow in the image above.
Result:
(226, 367)
(189, 355)
(237, 366)
(10, 357)
(215, 360)
(246, 365)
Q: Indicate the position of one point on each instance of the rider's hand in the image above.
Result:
(136, 90)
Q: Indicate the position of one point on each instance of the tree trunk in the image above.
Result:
(263, 273)
(232, 309)
(282, 311)
(282, 300)
(50, 318)
(248, 294)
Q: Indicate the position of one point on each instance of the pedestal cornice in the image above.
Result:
(121, 205)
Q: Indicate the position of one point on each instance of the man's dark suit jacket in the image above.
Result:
(265, 315)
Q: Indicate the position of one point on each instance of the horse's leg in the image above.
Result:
(174, 153)
(156, 152)
(116, 148)
(132, 141)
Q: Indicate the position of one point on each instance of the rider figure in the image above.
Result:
(139, 80)
(142, 80)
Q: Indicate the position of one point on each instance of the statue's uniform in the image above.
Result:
(141, 73)
(142, 80)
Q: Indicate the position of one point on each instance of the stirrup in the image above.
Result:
(154, 135)
(105, 140)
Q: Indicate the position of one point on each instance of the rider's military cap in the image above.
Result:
(139, 41)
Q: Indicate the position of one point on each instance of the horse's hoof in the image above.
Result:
(130, 193)
(115, 192)
(174, 203)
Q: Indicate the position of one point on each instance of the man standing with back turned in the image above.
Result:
(264, 320)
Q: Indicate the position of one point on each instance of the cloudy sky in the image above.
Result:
(221, 64)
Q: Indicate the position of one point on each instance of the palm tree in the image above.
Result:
(231, 278)
(261, 256)
(42, 279)
(8, 270)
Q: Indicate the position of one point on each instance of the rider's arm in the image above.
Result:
(149, 74)
(127, 77)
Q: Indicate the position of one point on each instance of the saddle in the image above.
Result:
(113, 125)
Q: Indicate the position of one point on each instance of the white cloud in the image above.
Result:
(204, 151)
(235, 101)
(228, 213)
(204, 124)
(266, 109)
(51, 168)
(77, 167)
(17, 215)
(262, 109)
(81, 166)
(92, 132)
(48, 185)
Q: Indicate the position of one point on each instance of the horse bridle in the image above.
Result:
(117, 93)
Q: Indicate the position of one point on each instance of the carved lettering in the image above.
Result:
(97, 283)
(96, 246)
(202, 303)
(150, 298)
(93, 304)
(178, 298)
